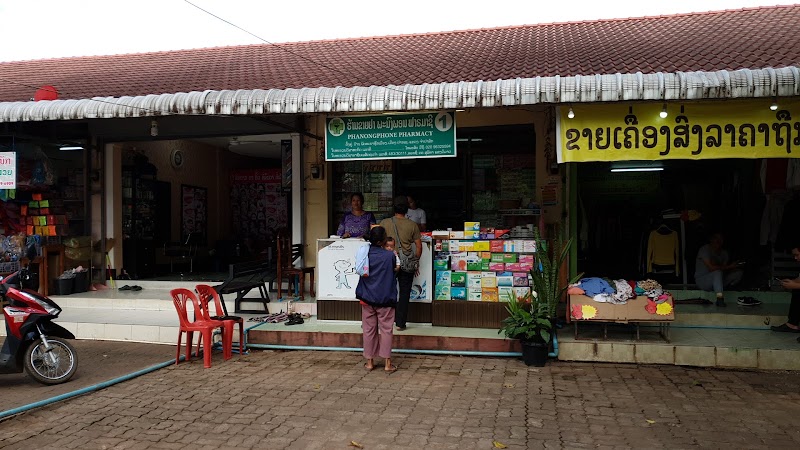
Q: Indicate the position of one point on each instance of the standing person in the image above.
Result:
(714, 270)
(416, 214)
(792, 324)
(406, 233)
(355, 223)
(377, 294)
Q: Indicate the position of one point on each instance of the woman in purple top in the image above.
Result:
(356, 223)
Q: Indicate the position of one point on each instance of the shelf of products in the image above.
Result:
(373, 179)
(501, 183)
(473, 265)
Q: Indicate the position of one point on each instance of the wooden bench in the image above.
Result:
(244, 277)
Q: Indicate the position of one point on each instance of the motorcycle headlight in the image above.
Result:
(53, 310)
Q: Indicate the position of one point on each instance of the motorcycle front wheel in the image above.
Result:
(53, 367)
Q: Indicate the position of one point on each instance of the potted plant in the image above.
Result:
(546, 272)
(528, 321)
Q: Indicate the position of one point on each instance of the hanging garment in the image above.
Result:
(772, 216)
(662, 249)
(777, 174)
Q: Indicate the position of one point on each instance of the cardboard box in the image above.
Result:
(510, 246)
(458, 261)
(521, 279)
(466, 246)
(521, 293)
(514, 267)
(497, 266)
(442, 293)
(525, 267)
(444, 278)
(510, 257)
(497, 257)
(505, 281)
(456, 235)
(440, 234)
(474, 265)
(472, 226)
(489, 282)
(471, 235)
(505, 293)
(489, 294)
(529, 246)
(632, 311)
(446, 245)
(475, 296)
(458, 293)
(458, 279)
(526, 258)
(496, 246)
(482, 246)
(474, 280)
(441, 264)
(485, 265)
(486, 256)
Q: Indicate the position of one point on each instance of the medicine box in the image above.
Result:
(443, 278)
(505, 281)
(442, 293)
(441, 264)
(505, 293)
(472, 226)
(489, 294)
(458, 279)
(458, 293)
(475, 296)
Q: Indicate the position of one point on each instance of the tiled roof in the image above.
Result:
(723, 40)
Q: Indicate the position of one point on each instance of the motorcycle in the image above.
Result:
(33, 342)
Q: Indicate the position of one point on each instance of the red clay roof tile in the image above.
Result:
(722, 40)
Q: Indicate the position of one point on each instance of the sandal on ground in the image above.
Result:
(366, 366)
(125, 288)
(784, 329)
(392, 369)
(136, 288)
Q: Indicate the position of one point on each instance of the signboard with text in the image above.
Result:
(8, 170)
(395, 136)
(679, 130)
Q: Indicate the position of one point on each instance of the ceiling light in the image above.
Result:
(663, 113)
(774, 105)
(638, 169)
(70, 147)
(571, 113)
(154, 128)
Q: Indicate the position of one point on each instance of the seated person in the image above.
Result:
(714, 270)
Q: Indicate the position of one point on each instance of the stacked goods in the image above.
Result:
(473, 265)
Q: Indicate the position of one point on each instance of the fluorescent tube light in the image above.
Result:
(638, 169)
(70, 147)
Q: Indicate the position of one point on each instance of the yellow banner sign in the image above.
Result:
(690, 130)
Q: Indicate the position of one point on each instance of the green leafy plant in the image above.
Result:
(550, 257)
(527, 320)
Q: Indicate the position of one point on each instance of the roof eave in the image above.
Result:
(722, 84)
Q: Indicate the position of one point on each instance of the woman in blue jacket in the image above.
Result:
(377, 294)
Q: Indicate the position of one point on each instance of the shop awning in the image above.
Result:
(618, 87)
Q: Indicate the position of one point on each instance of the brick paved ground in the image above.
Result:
(319, 400)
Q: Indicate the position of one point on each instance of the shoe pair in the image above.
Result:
(130, 288)
(748, 301)
(295, 319)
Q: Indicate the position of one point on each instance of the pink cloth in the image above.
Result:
(574, 290)
(372, 320)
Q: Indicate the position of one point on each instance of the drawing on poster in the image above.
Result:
(419, 291)
(343, 268)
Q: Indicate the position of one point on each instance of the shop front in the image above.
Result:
(464, 169)
(651, 183)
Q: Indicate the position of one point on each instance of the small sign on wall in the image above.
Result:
(8, 170)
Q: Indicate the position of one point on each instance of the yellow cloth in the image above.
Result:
(662, 249)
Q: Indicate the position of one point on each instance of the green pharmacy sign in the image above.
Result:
(396, 136)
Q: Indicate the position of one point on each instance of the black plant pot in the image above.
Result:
(535, 353)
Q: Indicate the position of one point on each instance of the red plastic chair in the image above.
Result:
(206, 293)
(181, 298)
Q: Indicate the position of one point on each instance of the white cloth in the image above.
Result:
(417, 215)
(603, 298)
(624, 292)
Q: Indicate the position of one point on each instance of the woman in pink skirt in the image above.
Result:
(377, 294)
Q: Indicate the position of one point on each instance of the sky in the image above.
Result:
(38, 29)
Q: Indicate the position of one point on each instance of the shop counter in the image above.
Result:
(582, 308)
(337, 281)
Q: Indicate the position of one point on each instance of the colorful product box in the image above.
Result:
(529, 246)
(472, 226)
(444, 278)
(440, 234)
(466, 246)
(445, 245)
(471, 235)
(486, 256)
(485, 265)
(458, 293)
(475, 296)
(521, 293)
(474, 265)
(458, 261)
(497, 257)
(489, 282)
(456, 235)
(482, 246)
(525, 267)
(497, 266)
(505, 281)
(526, 259)
(474, 280)
(510, 246)
(486, 236)
(514, 267)
(458, 279)
(496, 246)
(442, 293)
(520, 279)
(489, 294)
(441, 264)
(510, 257)
(505, 293)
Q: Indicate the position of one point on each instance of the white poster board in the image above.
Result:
(8, 170)
(337, 279)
